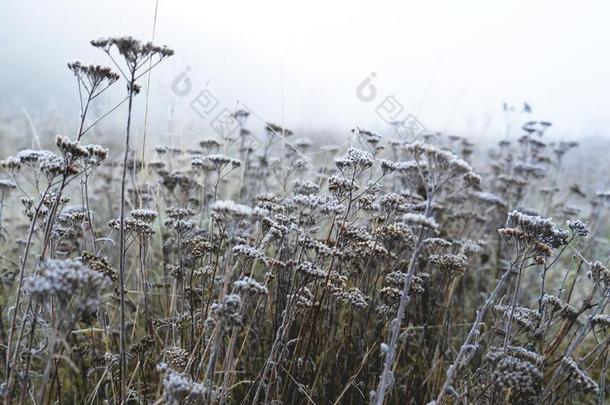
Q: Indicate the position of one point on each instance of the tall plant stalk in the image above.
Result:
(122, 251)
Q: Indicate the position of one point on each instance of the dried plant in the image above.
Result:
(427, 272)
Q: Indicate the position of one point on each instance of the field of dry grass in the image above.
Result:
(251, 268)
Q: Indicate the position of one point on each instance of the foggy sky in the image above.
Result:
(451, 64)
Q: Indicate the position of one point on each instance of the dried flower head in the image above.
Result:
(578, 378)
(69, 280)
(250, 286)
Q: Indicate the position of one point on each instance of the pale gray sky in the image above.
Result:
(451, 63)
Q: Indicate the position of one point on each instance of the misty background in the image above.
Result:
(299, 64)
